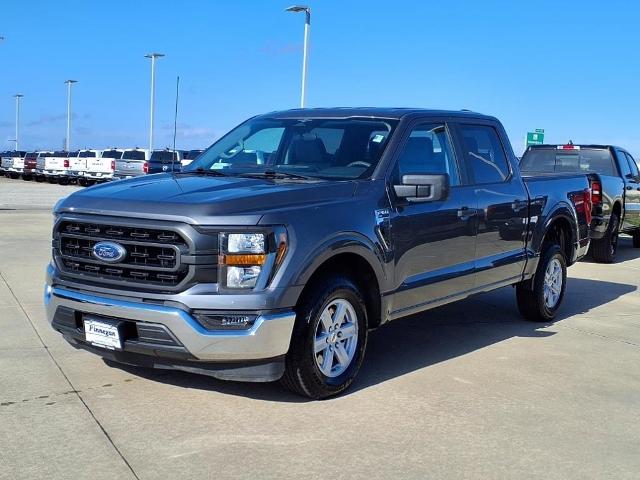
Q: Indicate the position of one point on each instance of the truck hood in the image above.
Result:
(202, 200)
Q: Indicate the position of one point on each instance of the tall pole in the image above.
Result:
(305, 57)
(307, 27)
(153, 57)
(18, 96)
(68, 142)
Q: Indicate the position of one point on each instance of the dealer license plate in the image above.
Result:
(102, 334)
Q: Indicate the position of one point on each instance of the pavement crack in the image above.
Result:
(68, 380)
(595, 334)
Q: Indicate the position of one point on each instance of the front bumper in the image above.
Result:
(255, 354)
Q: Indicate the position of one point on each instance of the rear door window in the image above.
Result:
(483, 151)
(633, 166)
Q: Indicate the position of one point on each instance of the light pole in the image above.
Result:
(153, 57)
(307, 27)
(18, 96)
(68, 142)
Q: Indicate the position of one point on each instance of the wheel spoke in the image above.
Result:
(338, 315)
(347, 331)
(320, 343)
(327, 361)
(341, 354)
(326, 320)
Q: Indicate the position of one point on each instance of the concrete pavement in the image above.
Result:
(468, 390)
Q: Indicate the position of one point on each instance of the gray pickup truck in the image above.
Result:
(615, 183)
(274, 253)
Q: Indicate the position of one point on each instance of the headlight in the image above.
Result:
(249, 260)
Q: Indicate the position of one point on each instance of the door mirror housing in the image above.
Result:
(423, 188)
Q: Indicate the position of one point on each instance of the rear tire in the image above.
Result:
(636, 238)
(604, 250)
(541, 303)
(329, 339)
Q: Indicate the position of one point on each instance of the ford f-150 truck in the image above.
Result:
(616, 188)
(274, 253)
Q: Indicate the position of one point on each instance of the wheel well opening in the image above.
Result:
(560, 232)
(617, 209)
(360, 272)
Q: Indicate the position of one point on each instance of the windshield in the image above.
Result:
(73, 154)
(576, 160)
(87, 154)
(320, 148)
(133, 155)
(112, 154)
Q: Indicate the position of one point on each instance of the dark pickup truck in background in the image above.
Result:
(616, 188)
(274, 253)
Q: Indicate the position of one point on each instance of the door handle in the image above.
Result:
(465, 213)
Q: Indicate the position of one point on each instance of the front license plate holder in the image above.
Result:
(103, 333)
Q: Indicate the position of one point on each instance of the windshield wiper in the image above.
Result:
(274, 174)
(202, 171)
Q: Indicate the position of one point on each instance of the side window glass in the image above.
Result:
(428, 151)
(484, 153)
(633, 166)
(625, 167)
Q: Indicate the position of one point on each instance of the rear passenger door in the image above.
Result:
(503, 204)
(433, 242)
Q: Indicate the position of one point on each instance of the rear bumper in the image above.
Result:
(255, 354)
(96, 175)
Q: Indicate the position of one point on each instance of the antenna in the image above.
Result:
(175, 124)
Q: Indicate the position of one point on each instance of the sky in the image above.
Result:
(570, 67)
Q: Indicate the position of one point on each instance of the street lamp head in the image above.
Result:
(154, 55)
(298, 8)
(71, 81)
(18, 95)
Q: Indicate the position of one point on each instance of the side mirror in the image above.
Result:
(423, 188)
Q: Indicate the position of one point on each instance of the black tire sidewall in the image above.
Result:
(302, 349)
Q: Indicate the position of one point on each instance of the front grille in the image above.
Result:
(153, 256)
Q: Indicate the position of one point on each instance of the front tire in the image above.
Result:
(329, 339)
(636, 239)
(541, 303)
(604, 250)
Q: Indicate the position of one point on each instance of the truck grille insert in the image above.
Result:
(152, 256)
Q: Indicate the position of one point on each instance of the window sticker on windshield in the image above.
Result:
(378, 138)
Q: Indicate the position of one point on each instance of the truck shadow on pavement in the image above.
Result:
(426, 339)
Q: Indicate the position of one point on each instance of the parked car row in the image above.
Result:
(90, 166)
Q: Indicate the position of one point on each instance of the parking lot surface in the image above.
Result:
(469, 390)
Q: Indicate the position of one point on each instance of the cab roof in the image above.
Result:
(371, 112)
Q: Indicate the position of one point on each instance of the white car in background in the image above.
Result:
(79, 164)
(43, 165)
(100, 165)
(13, 165)
(56, 167)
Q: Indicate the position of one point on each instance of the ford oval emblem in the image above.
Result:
(109, 252)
